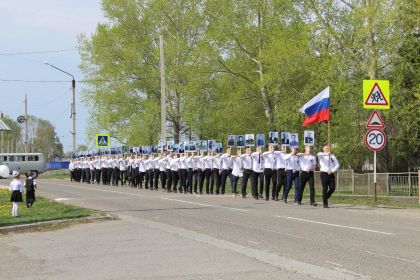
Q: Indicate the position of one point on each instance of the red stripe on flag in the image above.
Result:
(323, 115)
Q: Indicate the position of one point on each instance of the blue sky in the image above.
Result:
(39, 25)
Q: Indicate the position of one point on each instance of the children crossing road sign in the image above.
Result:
(376, 94)
(102, 141)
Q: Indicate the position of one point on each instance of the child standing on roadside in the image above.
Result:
(16, 188)
(30, 186)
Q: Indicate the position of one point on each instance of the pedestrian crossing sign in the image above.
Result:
(102, 141)
(376, 94)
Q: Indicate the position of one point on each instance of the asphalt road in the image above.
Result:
(180, 236)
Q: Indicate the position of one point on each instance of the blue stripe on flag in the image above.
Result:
(322, 104)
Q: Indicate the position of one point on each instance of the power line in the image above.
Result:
(38, 52)
(79, 81)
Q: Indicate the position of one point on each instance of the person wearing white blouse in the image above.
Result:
(247, 170)
(257, 168)
(293, 168)
(281, 158)
(307, 166)
(226, 169)
(328, 166)
(270, 172)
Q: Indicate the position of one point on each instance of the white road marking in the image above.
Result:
(333, 263)
(253, 242)
(336, 225)
(62, 199)
(392, 257)
(207, 205)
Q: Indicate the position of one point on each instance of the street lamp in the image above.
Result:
(73, 105)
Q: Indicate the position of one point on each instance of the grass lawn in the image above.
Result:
(55, 176)
(42, 210)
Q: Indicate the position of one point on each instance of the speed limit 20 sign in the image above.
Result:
(375, 139)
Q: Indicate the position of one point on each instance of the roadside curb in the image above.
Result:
(31, 226)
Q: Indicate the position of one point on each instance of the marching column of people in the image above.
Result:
(190, 172)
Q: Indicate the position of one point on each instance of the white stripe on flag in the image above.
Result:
(323, 94)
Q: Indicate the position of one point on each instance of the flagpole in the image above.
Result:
(329, 133)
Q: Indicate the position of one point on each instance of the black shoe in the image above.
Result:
(326, 206)
(267, 199)
(299, 203)
(314, 204)
(285, 200)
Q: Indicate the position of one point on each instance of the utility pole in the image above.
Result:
(162, 91)
(26, 123)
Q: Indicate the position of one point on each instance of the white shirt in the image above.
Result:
(307, 163)
(173, 163)
(216, 162)
(328, 162)
(237, 167)
(189, 162)
(293, 163)
(257, 162)
(182, 164)
(141, 163)
(163, 162)
(71, 166)
(104, 163)
(281, 159)
(16, 185)
(123, 164)
(269, 160)
(199, 162)
(246, 161)
(226, 162)
(208, 163)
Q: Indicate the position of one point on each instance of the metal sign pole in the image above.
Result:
(374, 175)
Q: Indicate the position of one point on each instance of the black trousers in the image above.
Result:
(135, 179)
(87, 175)
(328, 186)
(200, 176)
(190, 173)
(156, 174)
(104, 172)
(254, 183)
(215, 178)
(245, 177)
(281, 181)
(225, 174)
(151, 177)
(72, 175)
(209, 178)
(235, 183)
(30, 198)
(183, 179)
(108, 175)
(98, 175)
(175, 178)
(162, 176)
(168, 180)
(142, 178)
(196, 179)
(304, 178)
(270, 175)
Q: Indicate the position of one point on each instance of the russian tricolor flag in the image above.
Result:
(318, 108)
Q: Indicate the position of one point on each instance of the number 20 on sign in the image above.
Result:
(375, 139)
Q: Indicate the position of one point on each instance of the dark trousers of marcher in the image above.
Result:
(244, 183)
(30, 198)
(225, 174)
(98, 175)
(292, 177)
(162, 176)
(72, 175)
(168, 180)
(208, 174)
(92, 176)
(201, 175)
(104, 172)
(281, 182)
(151, 177)
(156, 174)
(142, 178)
(115, 176)
(328, 186)
(175, 178)
(87, 175)
(109, 173)
(183, 180)
(270, 175)
(234, 184)
(146, 179)
(307, 177)
(196, 180)
(190, 173)
(254, 183)
(215, 179)
(78, 173)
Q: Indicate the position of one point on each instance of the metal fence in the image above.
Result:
(388, 184)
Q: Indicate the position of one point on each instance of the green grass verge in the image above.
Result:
(42, 210)
(55, 176)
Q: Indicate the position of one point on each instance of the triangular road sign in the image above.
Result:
(375, 121)
(103, 141)
(376, 97)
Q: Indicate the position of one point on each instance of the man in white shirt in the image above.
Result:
(270, 172)
(215, 178)
(307, 166)
(200, 172)
(168, 172)
(257, 168)
(247, 167)
(174, 163)
(189, 161)
(328, 166)
(281, 158)
(293, 168)
(183, 173)
(226, 166)
(71, 169)
(208, 166)
(236, 170)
